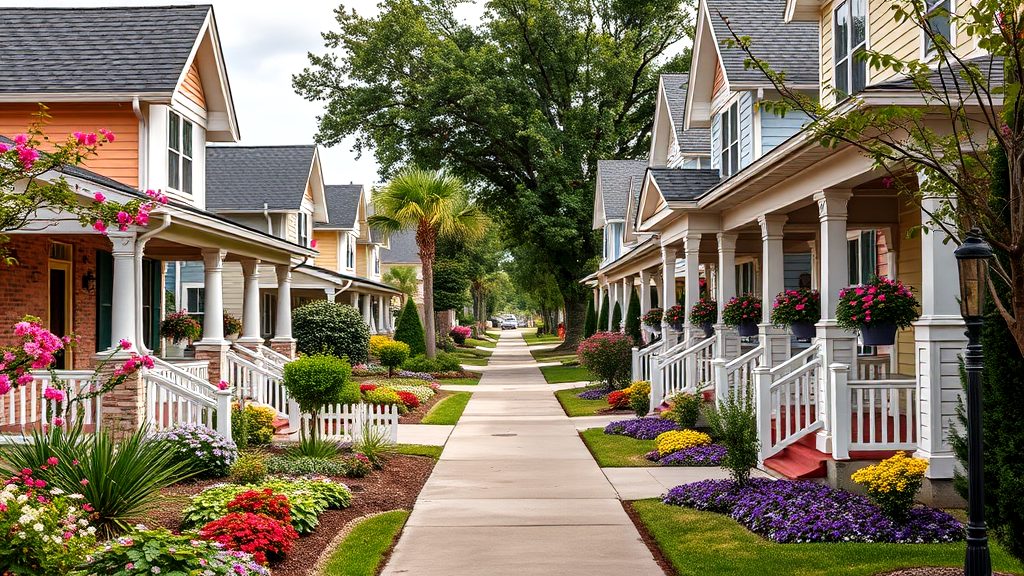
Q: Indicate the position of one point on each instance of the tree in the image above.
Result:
(317, 381)
(434, 204)
(974, 114)
(617, 318)
(523, 104)
(602, 316)
(451, 289)
(633, 318)
(410, 330)
(402, 278)
(590, 326)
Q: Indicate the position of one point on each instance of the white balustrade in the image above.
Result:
(736, 377)
(685, 371)
(346, 422)
(877, 414)
(258, 383)
(191, 376)
(169, 404)
(643, 360)
(24, 408)
(787, 401)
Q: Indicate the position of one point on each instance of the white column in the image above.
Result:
(330, 295)
(381, 323)
(668, 289)
(213, 296)
(692, 251)
(367, 311)
(645, 292)
(283, 328)
(728, 341)
(774, 339)
(250, 302)
(627, 289)
(122, 315)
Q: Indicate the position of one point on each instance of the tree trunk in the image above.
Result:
(444, 322)
(426, 238)
(575, 317)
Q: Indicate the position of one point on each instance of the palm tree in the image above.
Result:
(436, 205)
(403, 279)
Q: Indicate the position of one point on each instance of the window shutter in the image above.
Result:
(104, 299)
(716, 141)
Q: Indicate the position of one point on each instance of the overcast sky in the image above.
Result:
(265, 42)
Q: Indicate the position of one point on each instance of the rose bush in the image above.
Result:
(265, 538)
(608, 356)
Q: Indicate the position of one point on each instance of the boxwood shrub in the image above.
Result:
(323, 327)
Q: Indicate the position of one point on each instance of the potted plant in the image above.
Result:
(676, 317)
(232, 326)
(743, 312)
(179, 327)
(653, 319)
(878, 309)
(704, 314)
(798, 309)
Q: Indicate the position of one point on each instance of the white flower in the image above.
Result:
(38, 527)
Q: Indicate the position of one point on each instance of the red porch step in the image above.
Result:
(799, 461)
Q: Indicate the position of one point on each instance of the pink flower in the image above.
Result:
(100, 227)
(54, 394)
(21, 139)
(108, 134)
(28, 157)
(146, 361)
(312, 243)
(123, 217)
(84, 482)
(58, 421)
(799, 306)
(25, 379)
(223, 385)
(90, 139)
(52, 461)
(125, 344)
(142, 218)
(99, 197)
(5, 384)
(80, 137)
(4, 148)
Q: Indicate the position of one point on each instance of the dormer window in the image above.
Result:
(938, 14)
(730, 129)
(850, 33)
(179, 154)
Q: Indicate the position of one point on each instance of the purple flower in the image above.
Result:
(593, 393)
(641, 428)
(711, 455)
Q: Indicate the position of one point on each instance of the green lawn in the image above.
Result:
(533, 339)
(419, 450)
(561, 374)
(449, 410)
(484, 343)
(495, 335)
(472, 356)
(700, 543)
(574, 406)
(471, 380)
(612, 450)
(554, 356)
(362, 552)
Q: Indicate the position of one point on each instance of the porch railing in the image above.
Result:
(261, 358)
(191, 376)
(643, 360)
(736, 377)
(347, 422)
(684, 371)
(787, 401)
(260, 384)
(172, 401)
(24, 409)
(871, 415)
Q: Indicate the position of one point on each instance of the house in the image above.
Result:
(776, 209)
(157, 79)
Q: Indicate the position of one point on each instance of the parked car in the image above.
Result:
(509, 323)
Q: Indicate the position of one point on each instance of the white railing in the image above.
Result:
(169, 403)
(258, 383)
(873, 367)
(685, 371)
(199, 369)
(24, 408)
(787, 401)
(346, 422)
(873, 414)
(264, 357)
(736, 377)
(643, 361)
(186, 376)
(274, 357)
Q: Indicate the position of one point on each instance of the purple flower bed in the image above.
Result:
(641, 428)
(803, 511)
(697, 456)
(593, 394)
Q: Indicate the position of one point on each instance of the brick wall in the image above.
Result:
(24, 287)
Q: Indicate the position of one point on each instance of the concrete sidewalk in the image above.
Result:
(516, 492)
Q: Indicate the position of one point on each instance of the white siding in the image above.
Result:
(746, 124)
(716, 141)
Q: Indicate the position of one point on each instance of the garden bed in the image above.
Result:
(393, 488)
(576, 406)
(415, 416)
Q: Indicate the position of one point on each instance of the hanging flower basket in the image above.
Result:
(676, 317)
(653, 318)
(743, 312)
(799, 310)
(877, 309)
(704, 314)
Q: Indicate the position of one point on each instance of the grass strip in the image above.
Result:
(484, 343)
(449, 410)
(574, 406)
(419, 450)
(614, 451)
(562, 374)
(362, 552)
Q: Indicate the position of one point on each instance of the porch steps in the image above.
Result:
(799, 461)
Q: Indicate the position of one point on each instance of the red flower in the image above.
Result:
(265, 538)
(409, 399)
(264, 502)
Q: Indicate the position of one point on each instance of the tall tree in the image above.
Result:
(617, 318)
(590, 323)
(402, 278)
(434, 204)
(524, 104)
(602, 315)
(633, 318)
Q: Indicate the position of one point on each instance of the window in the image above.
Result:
(350, 255)
(938, 12)
(851, 40)
(376, 260)
(730, 132)
(745, 281)
(303, 229)
(268, 314)
(195, 297)
(863, 257)
(179, 154)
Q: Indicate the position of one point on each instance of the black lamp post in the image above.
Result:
(972, 257)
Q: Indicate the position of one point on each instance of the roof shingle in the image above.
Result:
(787, 47)
(342, 205)
(678, 184)
(696, 140)
(615, 177)
(242, 178)
(403, 249)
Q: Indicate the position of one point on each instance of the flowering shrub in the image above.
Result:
(180, 327)
(641, 428)
(44, 531)
(893, 483)
(264, 502)
(618, 399)
(607, 355)
(675, 315)
(653, 317)
(259, 422)
(232, 325)
(422, 391)
(369, 369)
(705, 311)
(460, 333)
(408, 399)
(709, 455)
(210, 454)
(383, 396)
(796, 306)
(741, 310)
(376, 342)
(639, 394)
(683, 409)
(805, 511)
(265, 538)
(676, 440)
(250, 468)
(151, 552)
(880, 301)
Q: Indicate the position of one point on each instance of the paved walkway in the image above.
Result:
(516, 493)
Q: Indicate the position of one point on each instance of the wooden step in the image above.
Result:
(800, 461)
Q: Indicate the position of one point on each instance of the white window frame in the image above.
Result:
(350, 252)
(730, 146)
(376, 260)
(850, 57)
(303, 228)
(931, 6)
(268, 314)
(185, 133)
(746, 278)
(185, 287)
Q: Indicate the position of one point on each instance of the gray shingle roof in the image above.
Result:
(791, 48)
(403, 249)
(677, 184)
(241, 178)
(615, 177)
(697, 140)
(342, 205)
(990, 67)
(140, 49)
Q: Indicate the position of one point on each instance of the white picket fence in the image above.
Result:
(346, 422)
(24, 409)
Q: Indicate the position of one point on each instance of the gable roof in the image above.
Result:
(695, 140)
(679, 185)
(342, 206)
(614, 178)
(109, 50)
(402, 249)
(244, 178)
(787, 47)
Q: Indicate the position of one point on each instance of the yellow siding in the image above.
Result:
(361, 259)
(327, 244)
(827, 53)
(908, 269)
(192, 87)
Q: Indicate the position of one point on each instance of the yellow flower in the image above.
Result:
(676, 440)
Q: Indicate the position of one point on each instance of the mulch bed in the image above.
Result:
(396, 487)
(415, 416)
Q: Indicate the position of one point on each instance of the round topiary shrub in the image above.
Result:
(393, 354)
(209, 454)
(323, 327)
(608, 356)
(320, 380)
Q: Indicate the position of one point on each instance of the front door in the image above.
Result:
(59, 315)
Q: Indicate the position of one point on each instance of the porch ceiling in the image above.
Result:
(182, 242)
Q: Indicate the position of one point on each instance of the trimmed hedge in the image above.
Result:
(323, 327)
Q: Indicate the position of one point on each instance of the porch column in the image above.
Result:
(939, 342)
(692, 251)
(668, 289)
(213, 347)
(330, 295)
(364, 302)
(283, 341)
(250, 303)
(774, 339)
(381, 324)
(728, 340)
(627, 290)
(645, 303)
(122, 317)
(839, 346)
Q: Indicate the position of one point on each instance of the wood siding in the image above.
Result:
(908, 269)
(361, 260)
(716, 141)
(192, 86)
(327, 244)
(746, 125)
(777, 129)
(719, 82)
(118, 160)
(827, 54)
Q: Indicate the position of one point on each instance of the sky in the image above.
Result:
(265, 42)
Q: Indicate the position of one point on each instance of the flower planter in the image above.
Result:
(803, 330)
(881, 334)
(709, 330)
(747, 329)
(174, 350)
(677, 326)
